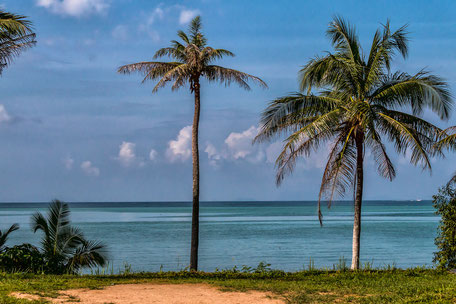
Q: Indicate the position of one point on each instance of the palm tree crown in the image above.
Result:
(192, 59)
(351, 102)
(64, 247)
(15, 36)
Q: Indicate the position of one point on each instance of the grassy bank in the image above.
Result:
(375, 286)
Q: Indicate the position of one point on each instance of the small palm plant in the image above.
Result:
(358, 105)
(4, 235)
(193, 60)
(16, 35)
(63, 246)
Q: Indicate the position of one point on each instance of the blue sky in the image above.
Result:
(72, 128)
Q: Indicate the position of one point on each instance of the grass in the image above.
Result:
(311, 286)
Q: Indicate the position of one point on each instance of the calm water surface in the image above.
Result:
(284, 234)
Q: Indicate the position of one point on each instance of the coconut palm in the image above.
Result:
(4, 235)
(63, 246)
(448, 142)
(16, 35)
(193, 60)
(349, 103)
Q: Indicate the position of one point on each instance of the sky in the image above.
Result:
(72, 128)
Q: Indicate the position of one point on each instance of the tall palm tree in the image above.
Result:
(193, 60)
(64, 247)
(16, 35)
(350, 103)
(4, 235)
(448, 142)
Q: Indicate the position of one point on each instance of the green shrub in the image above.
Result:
(21, 258)
(445, 205)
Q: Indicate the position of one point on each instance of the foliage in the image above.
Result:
(448, 142)
(445, 205)
(16, 35)
(64, 247)
(5, 234)
(22, 258)
(358, 103)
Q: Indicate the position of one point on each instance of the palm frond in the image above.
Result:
(406, 138)
(5, 234)
(344, 38)
(291, 113)
(339, 173)
(302, 142)
(418, 92)
(15, 24)
(447, 139)
(12, 46)
(88, 254)
(179, 73)
(176, 52)
(209, 54)
(227, 76)
(332, 70)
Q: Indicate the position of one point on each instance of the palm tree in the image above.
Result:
(15, 36)
(448, 142)
(4, 235)
(64, 247)
(193, 60)
(357, 104)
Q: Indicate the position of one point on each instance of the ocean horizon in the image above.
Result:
(153, 236)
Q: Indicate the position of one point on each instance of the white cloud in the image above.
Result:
(120, 32)
(212, 154)
(157, 14)
(4, 116)
(186, 15)
(75, 8)
(127, 154)
(68, 162)
(240, 144)
(180, 149)
(89, 169)
(153, 154)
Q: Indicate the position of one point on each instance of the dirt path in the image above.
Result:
(159, 294)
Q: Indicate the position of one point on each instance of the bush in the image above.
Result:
(22, 258)
(445, 204)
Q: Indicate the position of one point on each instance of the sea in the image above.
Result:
(142, 236)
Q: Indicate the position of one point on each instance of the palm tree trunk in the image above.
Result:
(358, 202)
(195, 159)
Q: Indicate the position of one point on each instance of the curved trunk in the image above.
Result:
(358, 202)
(195, 159)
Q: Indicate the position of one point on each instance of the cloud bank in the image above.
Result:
(74, 8)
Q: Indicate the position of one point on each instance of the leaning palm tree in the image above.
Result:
(64, 247)
(4, 235)
(193, 60)
(16, 35)
(350, 103)
(448, 142)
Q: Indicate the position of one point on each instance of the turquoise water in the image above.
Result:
(285, 234)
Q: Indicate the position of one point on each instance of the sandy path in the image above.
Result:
(160, 294)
